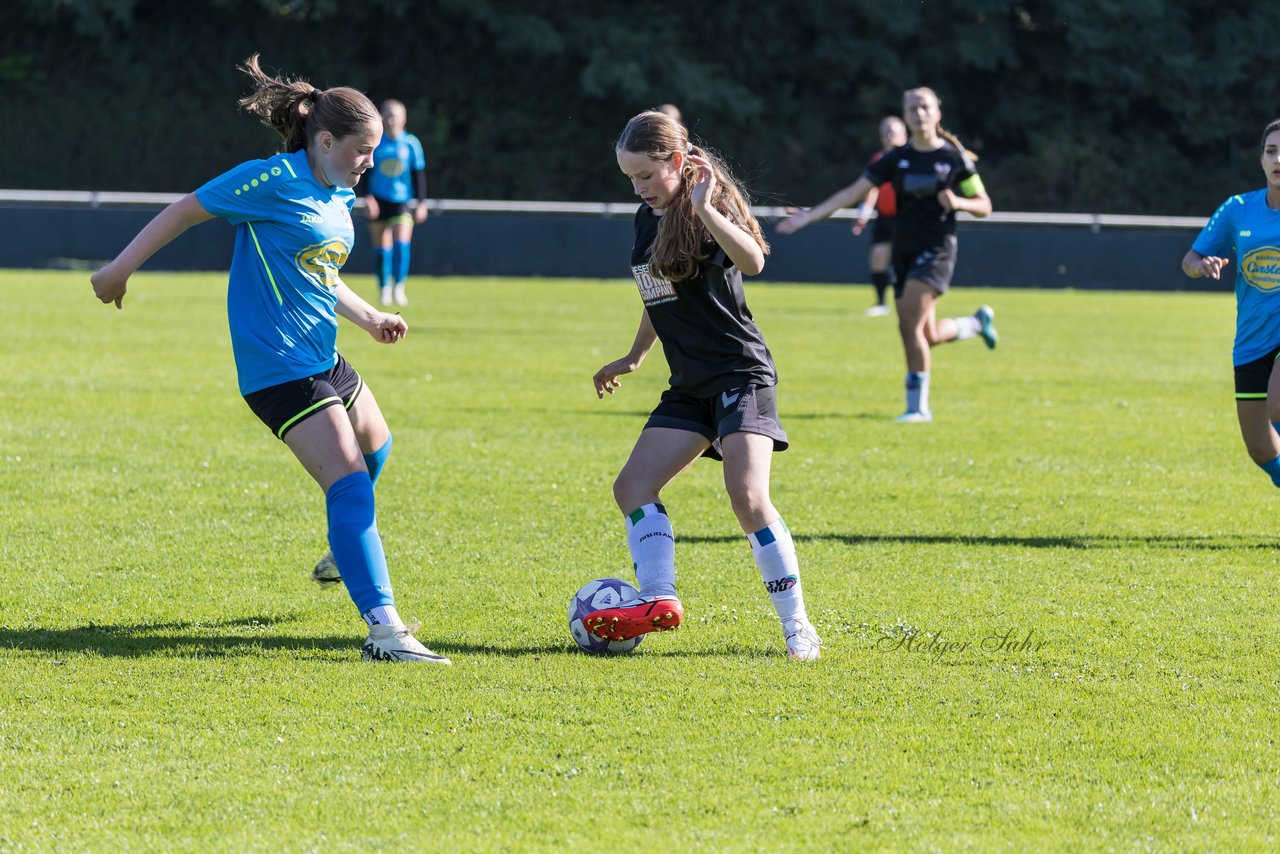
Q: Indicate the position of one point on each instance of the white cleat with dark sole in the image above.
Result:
(397, 643)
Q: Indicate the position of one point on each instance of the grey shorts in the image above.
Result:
(933, 266)
(745, 409)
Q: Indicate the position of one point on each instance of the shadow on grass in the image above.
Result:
(216, 638)
(1078, 541)
(254, 636)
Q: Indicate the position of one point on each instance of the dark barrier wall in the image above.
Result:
(502, 244)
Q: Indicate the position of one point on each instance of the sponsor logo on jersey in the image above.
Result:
(1261, 268)
(322, 261)
(654, 290)
(311, 219)
(1246, 233)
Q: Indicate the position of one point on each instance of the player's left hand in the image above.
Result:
(704, 182)
(388, 328)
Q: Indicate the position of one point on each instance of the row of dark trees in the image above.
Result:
(1144, 106)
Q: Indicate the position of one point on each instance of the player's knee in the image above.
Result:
(630, 492)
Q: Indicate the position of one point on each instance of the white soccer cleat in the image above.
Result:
(877, 311)
(326, 572)
(387, 296)
(397, 643)
(803, 643)
(401, 297)
(913, 416)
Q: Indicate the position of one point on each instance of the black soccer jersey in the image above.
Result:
(710, 340)
(918, 177)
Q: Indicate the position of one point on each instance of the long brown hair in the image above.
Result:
(942, 132)
(298, 111)
(682, 237)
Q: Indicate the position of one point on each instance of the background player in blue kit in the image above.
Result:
(396, 200)
(933, 177)
(1248, 227)
(293, 233)
(695, 239)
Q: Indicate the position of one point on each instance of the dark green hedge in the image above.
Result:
(1074, 105)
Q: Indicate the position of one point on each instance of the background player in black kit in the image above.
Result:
(695, 238)
(933, 176)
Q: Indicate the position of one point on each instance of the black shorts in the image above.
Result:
(391, 212)
(933, 266)
(746, 409)
(282, 407)
(1253, 377)
(882, 229)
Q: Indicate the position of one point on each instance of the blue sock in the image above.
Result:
(401, 255)
(1272, 468)
(353, 537)
(382, 266)
(377, 459)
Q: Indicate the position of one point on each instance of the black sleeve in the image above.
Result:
(420, 184)
(882, 169)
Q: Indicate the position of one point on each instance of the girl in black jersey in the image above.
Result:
(933, 176)
(695, 238)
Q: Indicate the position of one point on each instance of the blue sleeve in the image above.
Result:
(419, 160)
(1218, 237)
(246, 193)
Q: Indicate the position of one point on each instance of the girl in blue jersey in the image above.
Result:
(695, 239)
(1248, 227)
(933, 176)
(396, 200)
(293, 233)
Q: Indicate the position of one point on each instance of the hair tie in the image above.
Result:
(314, 95)
(688, 148)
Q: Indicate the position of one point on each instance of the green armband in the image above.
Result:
(971, 186)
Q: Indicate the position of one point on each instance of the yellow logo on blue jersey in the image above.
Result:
(1261, 268)
(322, 261)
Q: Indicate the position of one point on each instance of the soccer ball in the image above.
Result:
(595, 595)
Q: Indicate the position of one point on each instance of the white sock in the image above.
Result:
(917, 391)
(383, 615)
(775, 554)
(653, 550)
(967, 326)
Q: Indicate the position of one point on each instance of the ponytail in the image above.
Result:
(954, 140)
(298, 111)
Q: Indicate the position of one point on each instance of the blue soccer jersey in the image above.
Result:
(394, 162)
(1245, 227)
(293, 235)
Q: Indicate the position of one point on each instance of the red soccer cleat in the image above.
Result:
(661, 614)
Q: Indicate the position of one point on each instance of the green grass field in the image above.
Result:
(169, 678)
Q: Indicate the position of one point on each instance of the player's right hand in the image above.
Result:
(109, 286)
(606, 379)
(1212, 265)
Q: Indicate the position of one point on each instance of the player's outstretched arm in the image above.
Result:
(850, 195)
(1196, 265)
(111, 282)
(606, 379)
(381, 325)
